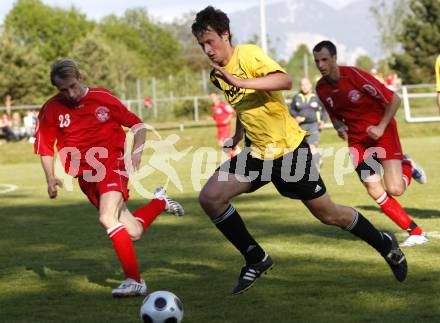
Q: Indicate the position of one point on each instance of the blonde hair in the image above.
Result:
(63, 69)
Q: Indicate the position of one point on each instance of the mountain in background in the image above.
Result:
(293, 22)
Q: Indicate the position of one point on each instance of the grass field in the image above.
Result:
(57, 264)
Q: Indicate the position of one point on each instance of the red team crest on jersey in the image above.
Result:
(370, 89)
(102, 114)
(354, 95)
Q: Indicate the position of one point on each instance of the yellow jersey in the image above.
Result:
(269, 129)
(437, 73)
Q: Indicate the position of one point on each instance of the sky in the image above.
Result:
(165, 10)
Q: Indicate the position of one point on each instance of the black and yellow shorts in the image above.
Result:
(293, 174)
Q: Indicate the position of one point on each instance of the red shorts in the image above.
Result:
(386, 148)
(113, 180)
(223, 132)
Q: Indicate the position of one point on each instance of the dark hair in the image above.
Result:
(212, 18)
(63, 69)
(325, 44)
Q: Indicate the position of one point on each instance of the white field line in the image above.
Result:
(7, 188)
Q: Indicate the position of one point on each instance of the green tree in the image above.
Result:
(157, 48)
(388, 15)
(365, 63)
(125, 65)
(106, 64)
(301, 64)
(93, 56)
(53, 31)
(192, 56)
(23, 73)
(420, 40)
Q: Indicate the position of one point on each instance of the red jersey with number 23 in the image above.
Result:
(93, 123)
(359, 100)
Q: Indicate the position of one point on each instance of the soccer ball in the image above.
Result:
(161, 307)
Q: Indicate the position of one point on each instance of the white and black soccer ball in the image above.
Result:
(161, 307)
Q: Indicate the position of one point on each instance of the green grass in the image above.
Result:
(57, 264)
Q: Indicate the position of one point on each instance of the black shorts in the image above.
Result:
(368, 167)
(293, 174)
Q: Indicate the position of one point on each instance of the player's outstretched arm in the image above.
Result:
(272, 82)
(376, 131)
(140, 134)
(341, 128)
(52, 182)
(238, 136)
(239, 132)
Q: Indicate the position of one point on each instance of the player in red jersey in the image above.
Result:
(223, 113)
(362, 110)
(86, 124)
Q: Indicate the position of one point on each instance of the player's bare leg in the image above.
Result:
(138, 222)
(330, 213)
(220, 188)
(133, 226)
(110, 204)
(215, 200)
(351, 220)
(393, 177)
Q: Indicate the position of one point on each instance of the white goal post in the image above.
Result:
(407, 108)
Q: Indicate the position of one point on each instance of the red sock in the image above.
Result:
(395, 212)
(124, 248)
(148, 213)
(407, 172)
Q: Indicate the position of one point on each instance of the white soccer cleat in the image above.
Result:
(129, 288)
(418, 172)
(171, 206)
(415, 239)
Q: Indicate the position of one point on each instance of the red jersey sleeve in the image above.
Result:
(331, 115)
(371, 86)
(123, 116)
(320, 92)
(45, 133)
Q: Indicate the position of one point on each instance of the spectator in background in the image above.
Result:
(389, 82)
(5, 128)
(5, 121)
(4, 124)
(437, 78)
(393, 82)
(29, 123)
(310, 114)
(16, 127)
(223, 114)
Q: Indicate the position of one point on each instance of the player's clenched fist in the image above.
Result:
(52, 189)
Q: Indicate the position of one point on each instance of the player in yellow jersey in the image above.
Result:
(437, 79)
(275, 152)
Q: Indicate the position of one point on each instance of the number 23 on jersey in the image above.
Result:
(64, 120)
